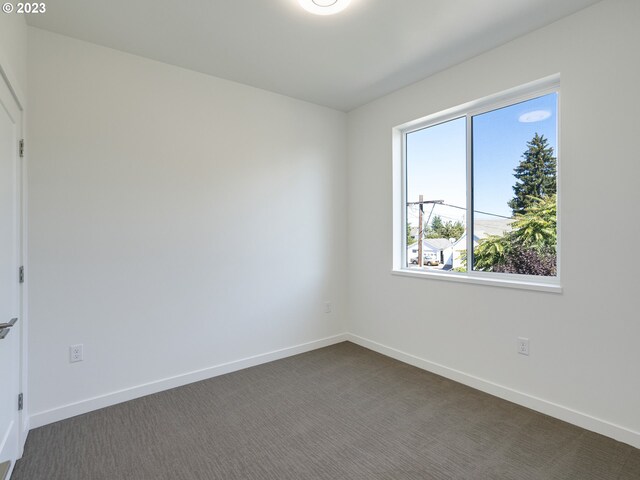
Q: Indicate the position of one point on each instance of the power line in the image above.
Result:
(412, 213)
(430, 213)
(422, 202)
(412, 206)
(477, 211)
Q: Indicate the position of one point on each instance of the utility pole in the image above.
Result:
(420, 204)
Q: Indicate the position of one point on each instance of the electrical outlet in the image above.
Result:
(523, 346)
(328, 307)
(75, 353)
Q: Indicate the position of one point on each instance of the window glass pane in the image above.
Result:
(514, 188)
(436, 170)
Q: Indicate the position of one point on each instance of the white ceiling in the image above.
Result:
(341, 61)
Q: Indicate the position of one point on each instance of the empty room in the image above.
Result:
(319, 239)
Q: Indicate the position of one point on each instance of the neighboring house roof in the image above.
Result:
(425, 247)
(437, 243)
(481, 229)
(433, 244)
(461, 244)
(484, 228)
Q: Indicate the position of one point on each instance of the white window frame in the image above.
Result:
(506, 98)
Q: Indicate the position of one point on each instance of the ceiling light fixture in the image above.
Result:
(324, 7)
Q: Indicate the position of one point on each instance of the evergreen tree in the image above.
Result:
(436, 226)
(440, 229)
(536, 175)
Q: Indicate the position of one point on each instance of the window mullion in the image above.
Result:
(469, 171)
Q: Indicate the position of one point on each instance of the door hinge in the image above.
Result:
(20, 401)
(21, 275)
(21, 148)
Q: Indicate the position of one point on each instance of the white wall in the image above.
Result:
(584, 342)
(177, 222)
(13, 49)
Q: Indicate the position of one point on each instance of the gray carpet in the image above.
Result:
(341, 412)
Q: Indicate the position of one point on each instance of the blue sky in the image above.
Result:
(436, 166)
(436, 157)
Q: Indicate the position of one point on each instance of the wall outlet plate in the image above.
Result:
(75, 353)
(523, 346)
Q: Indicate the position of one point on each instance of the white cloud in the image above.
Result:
(534, 116)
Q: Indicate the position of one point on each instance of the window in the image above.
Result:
(479, 191)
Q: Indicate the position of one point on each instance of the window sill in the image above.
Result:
(478, 280)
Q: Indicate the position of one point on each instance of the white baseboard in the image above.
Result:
(560, 412)
(90, 404)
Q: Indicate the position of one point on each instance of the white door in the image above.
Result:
(10, 337)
